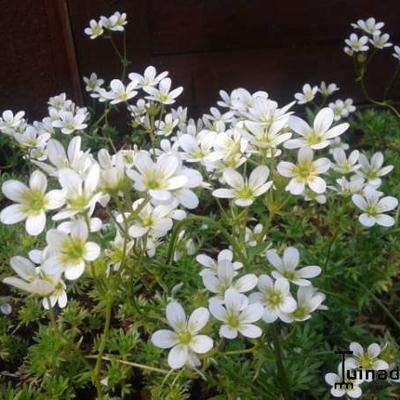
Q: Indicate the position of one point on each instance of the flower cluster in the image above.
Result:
(239, 301)
(341, 108)
(114, 23)
(358, 370)
(235, 164)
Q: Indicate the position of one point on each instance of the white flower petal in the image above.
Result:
(92, 251)
(198, 319)
(12, 214)
(228, 332)
(34, 224)
(14, 190)
(176, 316)
(177, 356)
(74, 272)
(251, 331)
(201, 344)
(164, 339)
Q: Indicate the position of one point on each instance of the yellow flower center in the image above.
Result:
(233, 321)
(34, 201)
(72, 250)
(366, 362)
(245, 193)
(314, 138)
(304, 170)
(185, 337)
(78, 203)
(274, 298)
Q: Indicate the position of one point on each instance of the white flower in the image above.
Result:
(69, 253)
(267, 138)
(308, 300)
(37, 281)
(115, 253)
(237, 314)
(211, 266)
(5, 308)
(59, 295)
(166, 127)
(226, 272)
(29, 278)
(149, 78)
(286, 267)
(343, 164)
(114, 23)
(10, 123)
(60, 102)
(231, 146)
(184, 339)
(93, 83)
(160, 178)
(119, 93)
(342, 109)
(198, 148)
(380, 41)
(81, 194)
(244, 191)
(318, 136)
(369, 26)
(156, 220)
(342, 385)
(112, 177)
(95, 29)
(357, 44)
(275, 297)
(396, 53)
(348, 107)
(348, 51)
(372, 170)
(266, 112)
(32, 202)
(305, 172)
(307, 95)
(253, 236)
(162, 94)
(366, 360)
(33, 141)
(327, 90)
(347, 188)
(69, 123)
(73, 158)
(374, 208)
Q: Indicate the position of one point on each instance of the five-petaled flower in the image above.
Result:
(305, 172)
(184, 339)
(32, 202)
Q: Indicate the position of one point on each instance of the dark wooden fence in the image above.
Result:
(206, 45)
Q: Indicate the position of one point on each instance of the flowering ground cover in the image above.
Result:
(225, 257)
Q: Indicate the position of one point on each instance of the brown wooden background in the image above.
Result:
(206, 45)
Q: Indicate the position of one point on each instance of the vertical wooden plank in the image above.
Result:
(63, 49)
(37, 55)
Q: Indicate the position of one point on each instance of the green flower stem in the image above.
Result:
(361, 82)
(132, 364)
(235, 352)
(392, 81)
(279, 363)
(99, 357)
(52, 314)
(381, 305)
